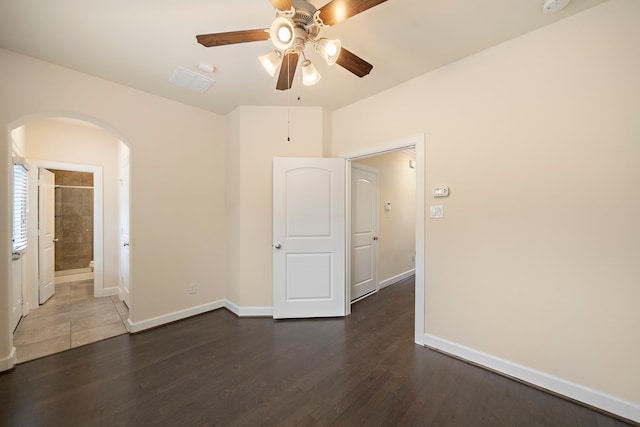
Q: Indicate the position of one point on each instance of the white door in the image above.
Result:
(364, 230)
(308, 237)
(46, 235)
(124, 232)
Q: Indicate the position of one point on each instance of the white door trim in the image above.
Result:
(98, 223)
(418, 143)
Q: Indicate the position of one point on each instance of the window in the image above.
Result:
(20, 177)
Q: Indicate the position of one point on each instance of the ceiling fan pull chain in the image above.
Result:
(288, 122)
(288, 106)
(299, 80)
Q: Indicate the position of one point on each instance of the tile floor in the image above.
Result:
(71, 318)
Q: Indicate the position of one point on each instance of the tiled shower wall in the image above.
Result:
(73, 219)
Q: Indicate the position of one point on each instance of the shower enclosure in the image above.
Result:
(73, 222)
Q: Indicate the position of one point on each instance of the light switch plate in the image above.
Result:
(437, 211)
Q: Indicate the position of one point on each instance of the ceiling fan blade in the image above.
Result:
(281, 4)
(232, 37)
(287, 71)
(353, 63)
(337, 11)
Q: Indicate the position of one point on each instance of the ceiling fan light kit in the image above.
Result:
(292, 30)
(297, 24)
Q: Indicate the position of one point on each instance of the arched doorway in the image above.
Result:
(77, 144)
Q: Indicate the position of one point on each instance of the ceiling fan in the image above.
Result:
(297, 24)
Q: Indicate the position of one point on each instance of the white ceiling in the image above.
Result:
(139, 43)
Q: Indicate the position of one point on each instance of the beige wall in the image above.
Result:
(255, 136)
(397, 184)
(18, 141)
(536, 260)
(177, 218)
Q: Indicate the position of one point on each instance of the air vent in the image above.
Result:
(190, 80)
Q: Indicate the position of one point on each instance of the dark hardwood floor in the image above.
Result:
(217, 369)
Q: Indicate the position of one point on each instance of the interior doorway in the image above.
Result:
(416, 145)
(76, 146)
(77, 225)
(383, 221)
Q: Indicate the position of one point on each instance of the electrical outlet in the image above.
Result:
(192, 288)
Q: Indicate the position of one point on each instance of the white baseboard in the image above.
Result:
(395, 279)
(172, 317)
(134, 327)
(8, 362)
(248, 311)
(589, 396)
(72, 278)
(107, 292)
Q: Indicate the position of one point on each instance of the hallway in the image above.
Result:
(71, 318)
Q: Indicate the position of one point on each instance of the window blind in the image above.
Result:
(20, 190)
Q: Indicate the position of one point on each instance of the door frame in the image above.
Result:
(418, 143)
(98, 222)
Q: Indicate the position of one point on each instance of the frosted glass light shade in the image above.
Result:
(329, 50)
(310, 75)
(271, 61)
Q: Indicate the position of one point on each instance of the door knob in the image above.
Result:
(375, 237)
(277, 246)
(126, 244)
(56, 240)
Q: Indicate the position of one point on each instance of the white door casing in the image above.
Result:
(124, 232)
(46, 235)
(364, 230)
(308, 237)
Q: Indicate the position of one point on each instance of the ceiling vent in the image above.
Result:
(190, 80)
